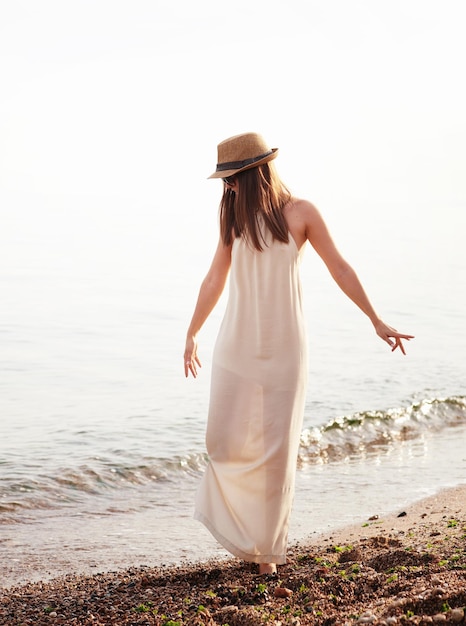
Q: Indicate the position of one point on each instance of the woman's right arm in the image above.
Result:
(211, 289)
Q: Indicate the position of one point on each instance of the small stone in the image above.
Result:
(457, 615)
(439, 591)
(231, 608)
(282, 592)
(391, 620)
(367, 618)
(322, 572)
(395, 604)
(440, 617)
(53, 614)
(402, 514)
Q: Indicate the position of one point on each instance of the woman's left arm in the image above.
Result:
(346, 278)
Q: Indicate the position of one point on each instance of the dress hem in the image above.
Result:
(278, 559)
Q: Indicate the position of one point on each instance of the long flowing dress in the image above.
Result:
(258, 387)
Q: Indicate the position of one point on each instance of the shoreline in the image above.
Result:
(429, 510)
(409, 568)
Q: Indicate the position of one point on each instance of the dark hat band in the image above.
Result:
(237, 165)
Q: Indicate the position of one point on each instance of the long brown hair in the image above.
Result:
(260, 193)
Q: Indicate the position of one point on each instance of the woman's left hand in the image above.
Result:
(391, 336)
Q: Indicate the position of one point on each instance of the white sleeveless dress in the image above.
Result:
(258, 387)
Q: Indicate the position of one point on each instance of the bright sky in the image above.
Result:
(128, 99)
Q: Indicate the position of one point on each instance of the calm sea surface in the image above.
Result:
(101, 436)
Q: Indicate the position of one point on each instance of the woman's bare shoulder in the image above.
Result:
(300, 214)
(301, 211)
(303, 206)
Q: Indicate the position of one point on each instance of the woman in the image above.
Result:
(259, 369)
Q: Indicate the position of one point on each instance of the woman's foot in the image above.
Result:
(267, 568)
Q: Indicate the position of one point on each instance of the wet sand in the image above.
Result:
(409, 567)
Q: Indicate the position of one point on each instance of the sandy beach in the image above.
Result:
(409, 567)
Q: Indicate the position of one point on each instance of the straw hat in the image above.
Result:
(242, 152)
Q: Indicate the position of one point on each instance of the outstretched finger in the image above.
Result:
(398, 344)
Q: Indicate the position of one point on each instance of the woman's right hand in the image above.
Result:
(191, 360)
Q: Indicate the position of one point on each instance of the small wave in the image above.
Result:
(348, 437)
(369, 432)
(68, 485)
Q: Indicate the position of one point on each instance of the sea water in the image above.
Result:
(102, 437)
